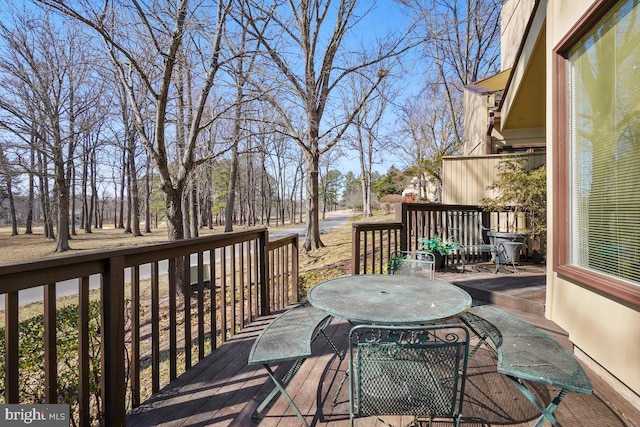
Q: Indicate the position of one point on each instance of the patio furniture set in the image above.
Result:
(469, 237)
(406, 355)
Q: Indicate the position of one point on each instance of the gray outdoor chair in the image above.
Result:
(416, 371)
(416, 263)
(468, 233)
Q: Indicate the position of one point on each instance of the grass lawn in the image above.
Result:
(36, 246)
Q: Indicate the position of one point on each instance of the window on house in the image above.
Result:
(604, 146)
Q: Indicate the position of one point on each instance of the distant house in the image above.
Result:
(572, 91)
(418, 190)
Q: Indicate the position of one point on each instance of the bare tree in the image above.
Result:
(144, 42)
(309, 54)
(330, 181)
(462, 45)
(365, 138)
(7, 174)
(240, 67)
(429, 135)
(53, 80)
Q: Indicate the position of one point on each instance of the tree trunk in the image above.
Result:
(127, 224)
(175, 230)
(93, 210)
(134, 206)
(45, 199)
(73, 199)
(312, 240)
(6, 170)
(30, 196)
(147, 201)
(173, 205)
(123, 175)
(193, 210)
(231, 191)
(86, 216)
(62, 237)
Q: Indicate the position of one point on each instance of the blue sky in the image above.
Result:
(386, 16)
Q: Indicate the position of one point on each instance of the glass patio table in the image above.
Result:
(389, 299)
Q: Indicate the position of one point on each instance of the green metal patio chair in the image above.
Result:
(416, 371)
(416, 263)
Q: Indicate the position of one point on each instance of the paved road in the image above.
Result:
(70, 287)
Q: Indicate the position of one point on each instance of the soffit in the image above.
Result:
(491, 84)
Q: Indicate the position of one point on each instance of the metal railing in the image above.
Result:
(160, 306)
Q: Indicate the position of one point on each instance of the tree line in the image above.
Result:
(225, 111)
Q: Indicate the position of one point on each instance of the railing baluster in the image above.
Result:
(263, 256)
(200, 270)
(214, 299)
(250, 287)
(50, 346)
(173, 317)
(186, 294)
(242, 293)
(223, 293)
(155, 328)
(295, 265)
(234, 290)
(292, 291)
(11, 359)
(83, 357)
(135, 336)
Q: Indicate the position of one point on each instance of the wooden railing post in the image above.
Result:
(50, 345)
(112, 333)
(404, 233)
(295, 266)
(355, 250)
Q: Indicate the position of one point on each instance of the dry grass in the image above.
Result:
(36, 246)
(25, 247)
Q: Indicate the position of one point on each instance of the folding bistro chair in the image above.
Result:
(414, 371)
(417, 263)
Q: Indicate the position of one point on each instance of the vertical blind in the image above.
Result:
(604, 120)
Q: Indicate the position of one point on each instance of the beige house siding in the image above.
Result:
(464, 179)
(607, 331)
(514, 17)
(476, 121)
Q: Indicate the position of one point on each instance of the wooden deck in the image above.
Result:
(222, 390)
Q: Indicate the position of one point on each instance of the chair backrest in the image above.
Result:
(417, 263)
(466, 228)
(416, 371)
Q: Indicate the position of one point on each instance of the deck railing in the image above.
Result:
(160, 306)
(373, 244)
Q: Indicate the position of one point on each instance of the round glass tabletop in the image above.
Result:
(389, 299)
